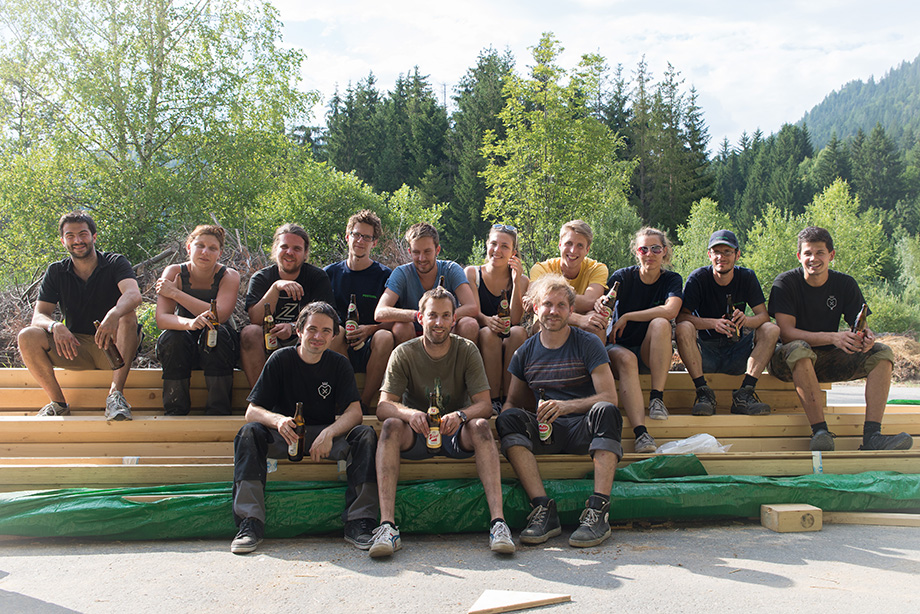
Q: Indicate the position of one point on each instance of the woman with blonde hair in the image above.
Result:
(189, 339)
(500, 278)
(649, 297)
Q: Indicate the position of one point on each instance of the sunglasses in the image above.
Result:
(655, 249)
(504, 228)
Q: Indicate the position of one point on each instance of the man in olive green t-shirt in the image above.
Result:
(451, 368)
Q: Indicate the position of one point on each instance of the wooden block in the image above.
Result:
(790, 517)
(873, 518)
(493, 602)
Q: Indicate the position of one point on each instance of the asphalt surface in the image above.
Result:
(854, 394)
(732, 567)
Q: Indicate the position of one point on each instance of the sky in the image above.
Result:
(755, 64)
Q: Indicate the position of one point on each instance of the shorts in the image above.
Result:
(722, 356)
(359, 358)
(601, 428)
(450, 447)
(637, 350)
(89, 355)
(831, 363)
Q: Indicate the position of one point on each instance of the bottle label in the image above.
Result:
(212, 337)
(506, 322)
(350, 326)
(271, 342)
(503, 304)
(434, 437)
(292, 448)
(545, 429)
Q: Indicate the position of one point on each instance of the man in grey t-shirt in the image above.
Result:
(449, 368)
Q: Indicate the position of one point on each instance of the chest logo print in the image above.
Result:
(832, 302)
(324, 389)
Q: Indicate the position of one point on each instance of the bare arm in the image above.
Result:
(390, 406)
(845, 340)
(387, 311)
(469, 302)
(471, 277)
(604, 392)
(349, 419)
(293, 289)
(668, 311)
(519, 394)
(584, 303)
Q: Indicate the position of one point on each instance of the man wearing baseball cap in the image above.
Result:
(715, 334)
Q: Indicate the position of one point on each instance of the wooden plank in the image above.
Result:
(117, 449)
(885, 519)
(791, 517)
(496, 602)
(94, 398)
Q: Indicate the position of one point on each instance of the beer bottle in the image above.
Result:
(504, 313)
(434, 424)
(729, 311)
(351, 322)
(111, 352)
(544, 428)
(610, 299)
(859, 326)
(441, 282)
(268, 323)
(296, 450)
(211, 341)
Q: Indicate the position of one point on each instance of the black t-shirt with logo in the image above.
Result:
(316, 287)
(816, 309)
(636, 295)
(704, 298)
(325, 389)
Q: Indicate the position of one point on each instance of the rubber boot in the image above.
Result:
(176, 399)
(220, 388)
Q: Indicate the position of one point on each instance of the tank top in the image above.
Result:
(488, 302)
(206, 295)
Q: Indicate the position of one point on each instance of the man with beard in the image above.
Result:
(566, 371)
(286, 287)
(409, 282)
(88, 286)
(448, 369)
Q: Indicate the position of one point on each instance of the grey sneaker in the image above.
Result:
(645, 444)
(822, 441)
(386, 541)
(359, 533)
(500, 538)
(877, 441)
(705, 402)
(594, 525)
(249, 537)
(657, 410)
(745, 401)
(53, 409)
(542, 523)
(496, 407)
(116, 407)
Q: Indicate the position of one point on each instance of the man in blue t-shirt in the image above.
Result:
(565, 372)
(808, 304)
(87, 286)
(710, 328)
(369, 345)
(407, 284)
(325, 384)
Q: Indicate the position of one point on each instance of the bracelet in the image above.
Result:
(51, 327)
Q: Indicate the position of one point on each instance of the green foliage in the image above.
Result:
(891, 313)
(771, 245)
(556, 162)
(406, 207)
(615, 224)
(705, 218)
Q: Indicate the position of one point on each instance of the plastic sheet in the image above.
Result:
(660, 488)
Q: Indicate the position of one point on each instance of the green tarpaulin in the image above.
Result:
(660, 488)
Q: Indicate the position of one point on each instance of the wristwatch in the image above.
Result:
(462, 415)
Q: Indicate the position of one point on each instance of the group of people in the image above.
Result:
(431, 333)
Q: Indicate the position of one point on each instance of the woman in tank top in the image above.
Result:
(184, 295)
(502, 270)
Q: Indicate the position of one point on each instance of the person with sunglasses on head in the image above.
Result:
(640, 331)
(500, 278)
(711, 342)
(585, 275)
(287, 286)
(368, 347)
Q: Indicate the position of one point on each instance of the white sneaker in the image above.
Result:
(53, 409)
(645, 444)
(116, 407)
(657, 410)
(500, 538)
(386, 541)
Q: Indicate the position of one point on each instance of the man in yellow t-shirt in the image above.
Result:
(585, 275)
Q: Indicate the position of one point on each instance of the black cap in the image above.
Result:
(723, 237)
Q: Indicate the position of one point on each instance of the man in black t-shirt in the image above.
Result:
(711, 342)
(808, 304)
(89, 285)
(286, 287)
(324, 382)
(368, 347)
